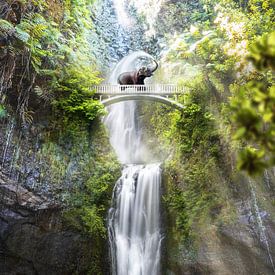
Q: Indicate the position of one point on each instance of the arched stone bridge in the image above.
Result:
(164, 93)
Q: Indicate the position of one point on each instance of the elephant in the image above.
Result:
(136, 77)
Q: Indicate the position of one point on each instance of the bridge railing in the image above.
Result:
(158, 89)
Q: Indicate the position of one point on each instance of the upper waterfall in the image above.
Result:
(122, 122)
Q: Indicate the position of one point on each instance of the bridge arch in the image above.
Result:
(155, 98)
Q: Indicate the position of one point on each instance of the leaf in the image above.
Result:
(272, 92)
(252, 161)
(6, 28)
(240, 133)
(267, 117)
(3, 112)
(21, 34)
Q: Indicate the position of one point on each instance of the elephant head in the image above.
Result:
(144, 71)
(148, 71)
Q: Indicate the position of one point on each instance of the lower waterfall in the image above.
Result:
(134, 223)
(134, 218)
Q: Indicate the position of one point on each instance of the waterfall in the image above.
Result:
(122, 122)
(134, 218)
(260, 224)
(9, 135)
(134, 226)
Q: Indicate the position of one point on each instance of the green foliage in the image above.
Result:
(194, 128)
(51, 40)
(196, 144)
(6, 28)
(93, 179)
(262, 52)
(93, 221)
(179, 15)
(199, 141)
(221, 50)
(251, 160)
(192, 170)
(254, 110)
(31, 31)
(75, 94)
(81, 169)
(90, 204)
(193, 198)
(2, 111)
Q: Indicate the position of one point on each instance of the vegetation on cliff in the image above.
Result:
(58, 146)
(224, 49)
(46, 57)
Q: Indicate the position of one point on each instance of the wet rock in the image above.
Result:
(16, 195)
(230, 249)
(33, 238)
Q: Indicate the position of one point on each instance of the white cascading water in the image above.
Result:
(134, 219)
(125, 134)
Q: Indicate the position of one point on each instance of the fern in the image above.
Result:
(26, 115)
(22, 35)
(44, 94)
(6, 28)
(57, 56)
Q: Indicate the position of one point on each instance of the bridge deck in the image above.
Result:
(153, 89)
(164, 93)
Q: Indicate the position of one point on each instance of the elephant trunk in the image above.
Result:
(156, 66)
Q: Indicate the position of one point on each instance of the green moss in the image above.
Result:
(89, 202)
(78, 157)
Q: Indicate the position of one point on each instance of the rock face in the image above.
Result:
(232, 250)
(237, 248)
(33, 239)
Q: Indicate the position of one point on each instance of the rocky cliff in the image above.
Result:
(35, 240)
